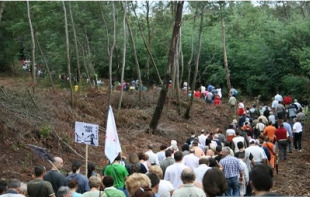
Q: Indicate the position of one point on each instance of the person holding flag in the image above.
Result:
(113, 152)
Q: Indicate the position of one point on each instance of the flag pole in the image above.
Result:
(53, 165)
(86, 158)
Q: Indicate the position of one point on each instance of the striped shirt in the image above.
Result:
(232, 166)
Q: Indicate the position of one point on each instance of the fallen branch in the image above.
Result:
(32, 99)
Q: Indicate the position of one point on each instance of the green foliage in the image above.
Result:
(45, 131)
(267, 44)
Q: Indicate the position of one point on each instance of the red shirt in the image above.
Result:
(287, 100)
(281, 133)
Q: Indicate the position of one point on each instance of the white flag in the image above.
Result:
(112, 145)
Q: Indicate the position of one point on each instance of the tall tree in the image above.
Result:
(136, 58)
(163, 93)
(111, 52)
(76, 48)
(46, 64)
(124, 55)
(147, 47)
(68, 53)
(33, 48)
(222, 7)
(187, 113)
(2, 3)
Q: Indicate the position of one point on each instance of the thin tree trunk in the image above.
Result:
(33, 48)
(187, 113)
(76, 48)
(68, 52)
(111, 53)
(136, 59)
(124, 56)
(106, 28)
(191, 57)
(44, 59)
(163, 93)
(147, 47)
(89, 62)
(149, 41)
(181, 60)
(2, 3)
(225, 56)
(177, 66)
(84, 61)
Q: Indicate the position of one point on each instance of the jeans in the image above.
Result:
(233, 186)
(297, 140)
(289, 143)
(282, 149)
(124, 190)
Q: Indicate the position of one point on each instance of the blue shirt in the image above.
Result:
(82, 182)
(288, 127)
(232, 166)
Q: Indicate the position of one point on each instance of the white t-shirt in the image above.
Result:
(278, 97)
(274, 104)
(230, 132)
(257, 152)
(240, 105)
(297, 127)
(173, 174)
(152, 157)
(161, 156)
(202, 139)
(200, 172)
(191, 161)
(165, 187)
(219, 92)
(236, 140)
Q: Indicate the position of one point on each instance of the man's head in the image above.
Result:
(163, 147)
(94, 182)
(58, 162)
(187, 176)
(192, 150)
(168, 153)
(150, 146)
(262, 178)
(178, 156)
(156, 170)
(63, 191)
(39, 171)
(225, 151)
(3, 185)
(154, 181)
(108, 181)
(203, 161)
(76, 166)
(240, 145)
(195, 143)
(14, 184)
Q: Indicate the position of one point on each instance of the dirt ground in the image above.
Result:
(46, 119)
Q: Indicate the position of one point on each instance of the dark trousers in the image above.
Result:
(297, 140)
(282, 149)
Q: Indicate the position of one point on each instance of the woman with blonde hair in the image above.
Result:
(137, 181)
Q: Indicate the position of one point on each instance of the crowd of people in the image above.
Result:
(238, 161)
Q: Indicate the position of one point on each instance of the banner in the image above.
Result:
(42, 153)
(112, 144)
(86, 133)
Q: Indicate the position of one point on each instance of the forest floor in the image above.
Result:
(46, 119)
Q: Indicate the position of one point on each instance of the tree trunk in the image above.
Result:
(163, 92)
(147, 48)
(225, 56)
(136, 59)
(106, 28)
(177, 83)
(111, 53)
(84, 60)
(2, 3)
(89, 62)
(124, 56)
(68, 52)
(33, 48)
(76, 48)
(149, 41)
(44, 59)
(187, 113)
(181, 60)
(189, 68)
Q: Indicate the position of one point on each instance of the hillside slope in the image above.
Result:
(46, 119)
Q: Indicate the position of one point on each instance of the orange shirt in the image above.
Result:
(269, 131)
